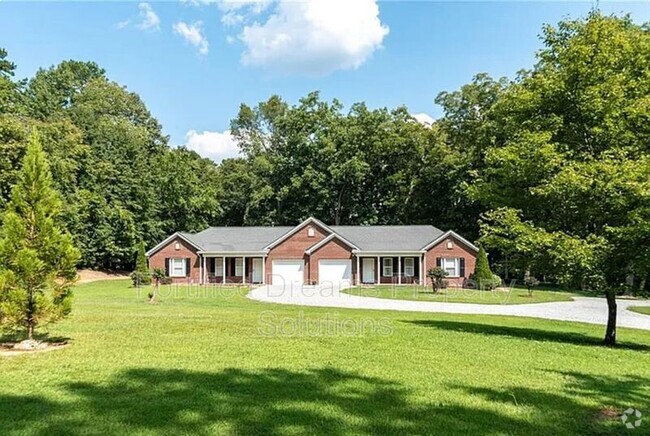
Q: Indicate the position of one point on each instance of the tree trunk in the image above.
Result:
(337, 212)
(507, 269)
(30, 315)
(155, 292)
(610, 333)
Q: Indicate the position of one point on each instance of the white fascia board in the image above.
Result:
(298, 227)
(447, 234)
(361, 253)
(168, 240)
(318, 245)
(233, 253)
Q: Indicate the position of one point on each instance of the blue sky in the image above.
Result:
(193, 62)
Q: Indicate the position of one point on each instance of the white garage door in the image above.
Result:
(288, 272)
(336, 272)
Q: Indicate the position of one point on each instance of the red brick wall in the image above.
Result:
(458, 250)
(157, 260)
(334, 249)
(294, 248)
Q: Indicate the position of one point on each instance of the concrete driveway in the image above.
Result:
(582, 309)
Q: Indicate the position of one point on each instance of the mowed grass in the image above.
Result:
(457, 295)
(645, 310)
(219, 363)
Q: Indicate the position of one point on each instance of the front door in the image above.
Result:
(368, 275)
(257, 270)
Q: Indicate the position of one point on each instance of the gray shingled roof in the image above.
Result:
(389, 238)
(367, 238)
(237, 238)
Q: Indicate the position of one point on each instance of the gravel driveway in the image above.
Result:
(582, 309)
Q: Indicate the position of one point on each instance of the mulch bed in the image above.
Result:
(7, 348)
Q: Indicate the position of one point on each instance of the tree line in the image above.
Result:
(548, 170)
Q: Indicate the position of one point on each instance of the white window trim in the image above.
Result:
(218, 266)
(409, 270)
(239, 267)
(173, 266)
(387, 266)
(456, 262)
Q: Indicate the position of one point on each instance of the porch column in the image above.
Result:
(378, 270)
(243, 264)
(223, 270)
(421, 267)
(358, 272)
(424, 270)
(203, 271)
(399, 270)
(263, 270)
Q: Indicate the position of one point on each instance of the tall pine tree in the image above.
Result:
(37, 258)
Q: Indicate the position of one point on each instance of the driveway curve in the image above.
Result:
(582, 309)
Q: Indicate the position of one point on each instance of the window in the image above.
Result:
(409, 266)
(311, 232)
(239, 266)
(177, 267)
(388, 267)
(451, 265)
(218, 266)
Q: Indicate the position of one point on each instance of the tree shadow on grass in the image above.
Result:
(43, 337)
(523, 333)
(629, 390)
(579, 405)
(274, 401)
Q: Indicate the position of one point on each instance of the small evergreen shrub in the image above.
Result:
(141, 275)
(483, 276)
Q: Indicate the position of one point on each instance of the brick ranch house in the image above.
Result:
(314, 253)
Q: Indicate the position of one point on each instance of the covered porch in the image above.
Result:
(391, 268)
(244, 268)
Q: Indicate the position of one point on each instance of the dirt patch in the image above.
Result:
(8, 348)
(89, 275)
(607, 414)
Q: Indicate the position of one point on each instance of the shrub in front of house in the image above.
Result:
(141, 275)
(437, 276)
(483, 277)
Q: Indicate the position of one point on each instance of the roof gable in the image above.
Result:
(184, 236)
(449, 234)
(293, 231)
(325, 241)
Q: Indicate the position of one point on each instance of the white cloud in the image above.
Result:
(236, 12)
(193, 33)
(311, 37)
(425, 119)
(198, 2)
(214, 145)
(123, 24)
(253, 6)
(150, 20)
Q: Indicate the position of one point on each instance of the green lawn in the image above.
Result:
(452, 295)
(640, 309)
(223, 364)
